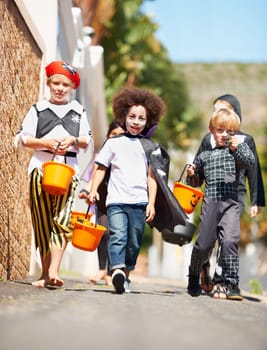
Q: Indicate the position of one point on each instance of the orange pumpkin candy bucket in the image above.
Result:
(78, 216)
(56, 176)
(87, 235)
(187, 196)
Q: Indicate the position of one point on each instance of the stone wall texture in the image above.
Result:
(20, 59)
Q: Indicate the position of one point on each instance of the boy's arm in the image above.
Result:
(152, 192)
(84, 193)
(195, 175)
(98, 176)
(243, 155)
(49, 144)
(85, 134)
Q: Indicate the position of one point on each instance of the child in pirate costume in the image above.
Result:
(219, 219)
(61, 126)
(137, 173)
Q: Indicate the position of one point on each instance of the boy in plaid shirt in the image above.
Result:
(219, 218)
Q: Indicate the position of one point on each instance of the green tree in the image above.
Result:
(133, 55)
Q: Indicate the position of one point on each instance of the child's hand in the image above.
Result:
(191, 170)
(150, 212)
(92, 197)
(58, 145)
(254, 211)
(233, 143)
(84, 194)
(51, 145)
(65, 143)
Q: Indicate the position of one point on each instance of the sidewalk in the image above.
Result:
(17, 288)
(157, 314)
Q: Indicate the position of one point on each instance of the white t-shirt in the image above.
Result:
(29, 127)
(129, 168)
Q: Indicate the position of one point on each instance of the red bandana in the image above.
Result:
(61, 67)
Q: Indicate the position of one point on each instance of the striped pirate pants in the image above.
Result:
(50, 213)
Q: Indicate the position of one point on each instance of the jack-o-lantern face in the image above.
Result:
(194, 200)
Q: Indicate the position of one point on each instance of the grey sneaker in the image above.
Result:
(127, 286)
(118, 280)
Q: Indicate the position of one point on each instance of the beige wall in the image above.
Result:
(20, 59)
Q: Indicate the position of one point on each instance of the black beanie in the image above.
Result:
(233, 102)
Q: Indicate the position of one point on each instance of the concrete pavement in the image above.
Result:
(157, 314)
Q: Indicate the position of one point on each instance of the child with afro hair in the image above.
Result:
(132, 185)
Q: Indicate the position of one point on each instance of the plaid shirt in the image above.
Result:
(219, 168)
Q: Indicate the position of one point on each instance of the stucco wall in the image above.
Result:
(20, 59)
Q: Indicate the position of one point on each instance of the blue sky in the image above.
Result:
(211, 30)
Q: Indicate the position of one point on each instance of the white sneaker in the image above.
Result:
(126, 286)
(118, 280)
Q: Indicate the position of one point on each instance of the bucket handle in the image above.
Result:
(86, 215)
(54, 154)
(180, 178)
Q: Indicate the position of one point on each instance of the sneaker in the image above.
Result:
(193, 287)
(233, 292)
(126, 286)
(118, 281)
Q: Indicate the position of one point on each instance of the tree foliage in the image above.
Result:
(133, 55)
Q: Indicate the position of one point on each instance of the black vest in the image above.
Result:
(48, 120)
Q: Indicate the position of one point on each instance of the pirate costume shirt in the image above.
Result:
(47, 120)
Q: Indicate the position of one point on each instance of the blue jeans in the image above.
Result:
(126, 224)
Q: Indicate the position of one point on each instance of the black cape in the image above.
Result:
(169, 213)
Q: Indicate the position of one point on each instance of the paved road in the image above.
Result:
(156, 315)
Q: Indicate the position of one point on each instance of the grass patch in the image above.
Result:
(256, 287)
